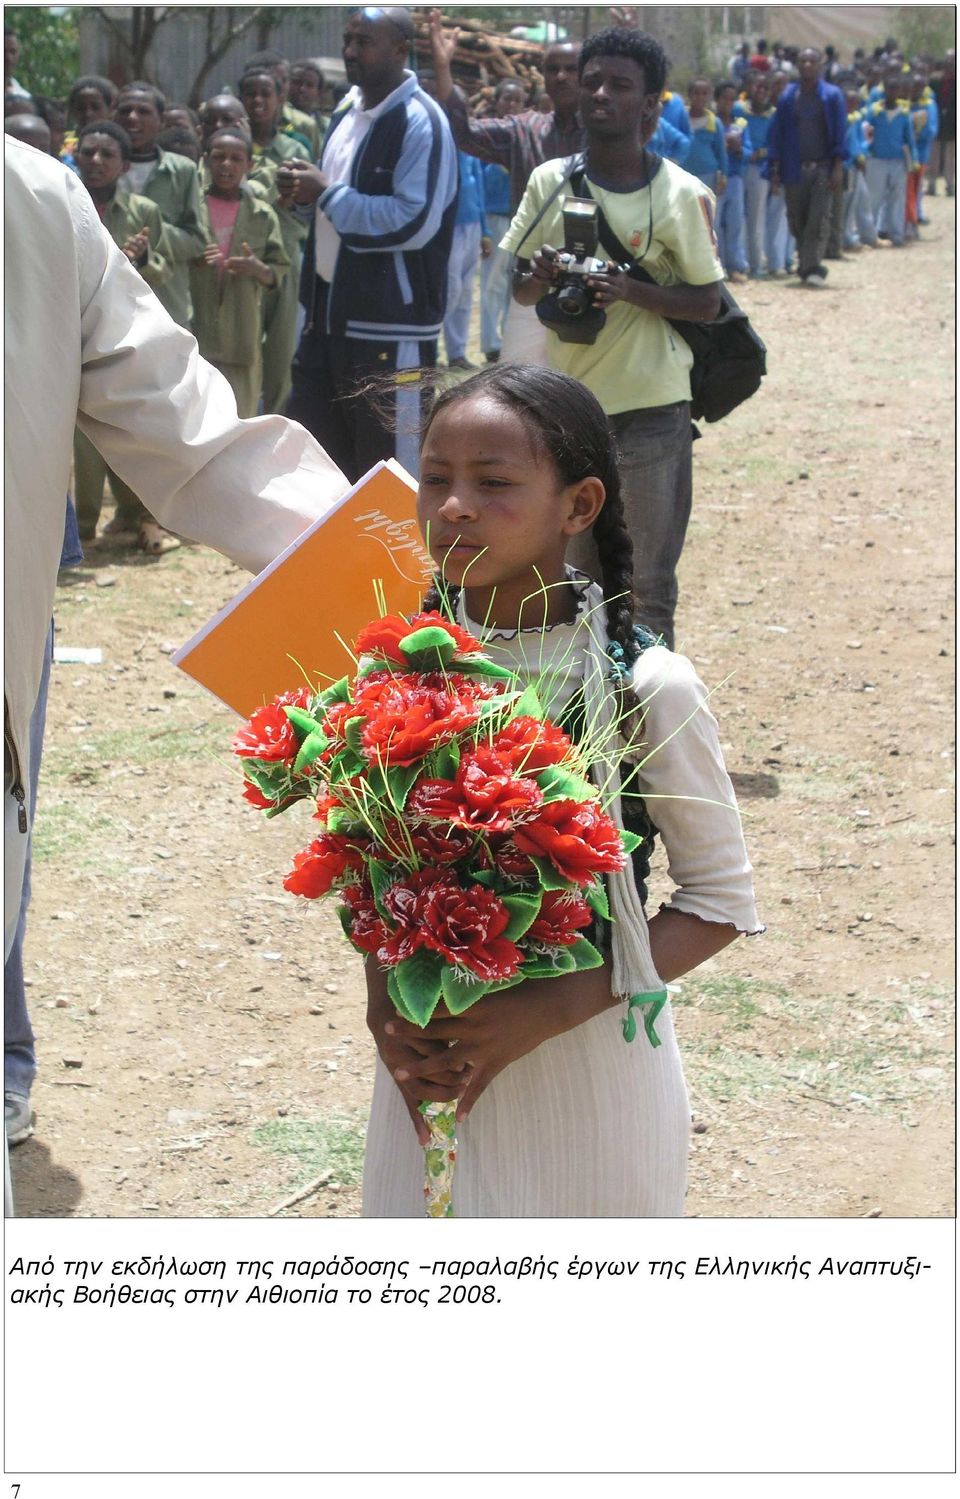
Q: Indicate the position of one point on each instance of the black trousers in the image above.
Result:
(361, 399)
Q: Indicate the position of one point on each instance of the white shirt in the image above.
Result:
(336, 164)
(88, 345)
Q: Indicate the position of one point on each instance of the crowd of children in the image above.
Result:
(192, 199)
(900, 139)
(196, 200)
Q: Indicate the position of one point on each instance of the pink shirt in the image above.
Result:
(223, 216)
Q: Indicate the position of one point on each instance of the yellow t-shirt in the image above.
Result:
(638, 359)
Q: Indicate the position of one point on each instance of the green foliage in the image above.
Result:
(926, 28)
(49, 48)
(333, 1144)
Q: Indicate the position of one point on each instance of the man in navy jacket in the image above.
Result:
(805, 154)
(375, 266)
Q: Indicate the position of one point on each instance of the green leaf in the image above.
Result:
(596, 896)
(340, 820)
(446, 761)
(393, 990)
(346, 919)
(376, 785)
(630, 841)
(376, 663)
(528, 705)
(562, 961)
(381, 881)
(487, 877)
(345, 766)
(353, 734)
(399, 779)
(548, 877)
(461, 990)
(524, 910)
(338, 692)
(311, 748)
(584, 955)
(477, 666)
(557, 784)
(418, 980)
(431, 641)
(302, 721)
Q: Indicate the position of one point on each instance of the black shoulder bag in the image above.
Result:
(729, 358)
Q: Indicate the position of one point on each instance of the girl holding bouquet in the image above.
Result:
(558, 1117)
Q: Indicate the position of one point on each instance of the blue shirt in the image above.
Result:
(471, 200)
(737, 164)
(890, 135)
(674, 111)
(496, 188)
(759, 128)
(856, 140)
(670, 142)
(783, 142)
(708, 151)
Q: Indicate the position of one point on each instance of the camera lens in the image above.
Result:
(573, 301)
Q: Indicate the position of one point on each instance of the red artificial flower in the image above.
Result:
(562, 914)
(268, 734)
(577, 837)
(431, 909)
(529, 745)
(486, 794)
(317, 867)
(367, 929)
(510, 862)
(255, 796)
(383, 636)
(409, 721)
(437, 846)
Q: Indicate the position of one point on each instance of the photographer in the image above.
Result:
(635, 363)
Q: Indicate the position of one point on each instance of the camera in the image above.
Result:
(567, 309)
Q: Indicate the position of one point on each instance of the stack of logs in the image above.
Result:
(482, 58)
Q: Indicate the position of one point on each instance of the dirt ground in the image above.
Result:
(201, 1033)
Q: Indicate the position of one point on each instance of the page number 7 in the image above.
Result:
(16, 1490)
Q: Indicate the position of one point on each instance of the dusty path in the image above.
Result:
(201, 1034)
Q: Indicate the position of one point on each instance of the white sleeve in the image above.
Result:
(167, 421)
(689, 794)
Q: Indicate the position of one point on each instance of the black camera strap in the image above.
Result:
(608, 240)
(575, 164)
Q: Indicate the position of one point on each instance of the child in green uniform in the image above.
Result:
(243, 257)
(134, 223)
(261, 99)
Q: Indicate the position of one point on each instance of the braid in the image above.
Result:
(441, 596)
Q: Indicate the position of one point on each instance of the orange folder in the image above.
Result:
(281, 631)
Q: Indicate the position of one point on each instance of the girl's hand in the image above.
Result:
(212, 255)
(721, 186)
(496, 1031)
(407, 1052)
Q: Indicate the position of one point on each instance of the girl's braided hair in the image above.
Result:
(568, 425)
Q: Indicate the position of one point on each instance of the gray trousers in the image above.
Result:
(808, 213)
(656, 474)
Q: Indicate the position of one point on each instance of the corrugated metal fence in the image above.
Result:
(181, 44)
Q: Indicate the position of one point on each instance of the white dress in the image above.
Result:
(587, 1125)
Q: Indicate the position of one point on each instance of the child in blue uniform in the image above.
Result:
(730, 217)
(892, 152)
(708, 151)
(859, 228)
(758, 113)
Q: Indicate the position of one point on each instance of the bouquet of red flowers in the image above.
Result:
(458, 828)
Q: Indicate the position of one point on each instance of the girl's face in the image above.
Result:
(493, 509)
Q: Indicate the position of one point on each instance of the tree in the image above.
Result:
(49, 48)
(224, 25)
(926, 28)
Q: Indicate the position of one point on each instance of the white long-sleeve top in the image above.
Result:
(88, 344)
